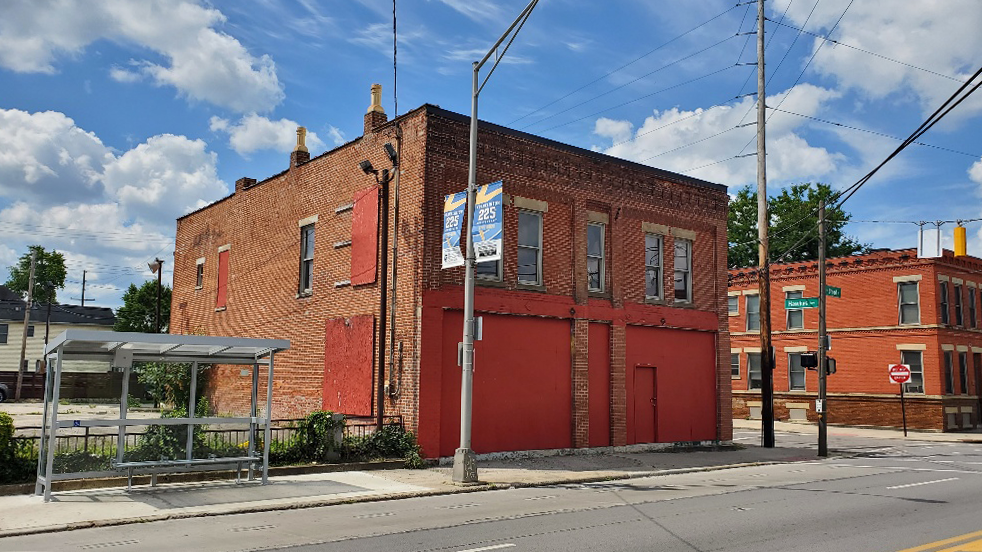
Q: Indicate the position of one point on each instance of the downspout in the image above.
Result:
(393, 387)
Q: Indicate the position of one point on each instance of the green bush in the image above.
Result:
(392, 441)
(18, 459)
(169, 442)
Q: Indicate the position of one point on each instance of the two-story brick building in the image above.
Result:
(895, 308)
(593, 335)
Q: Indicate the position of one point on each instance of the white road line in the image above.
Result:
(922, 483)
(495, 547)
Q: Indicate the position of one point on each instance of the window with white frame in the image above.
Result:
(735, 365)
(199, 279)
(796, 317)
(733, 305)
(755, 379)
(683, 270)
(753, 313)
(959, 316)
(306, 259)
(963, 371)
(595, 248)
(796, 373)
(949, 375)
(529, 248)
(943, 292)
(653, 285)
(973, 320)
(910, 311)
(914, 359)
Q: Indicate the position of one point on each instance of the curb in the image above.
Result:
(451, 489)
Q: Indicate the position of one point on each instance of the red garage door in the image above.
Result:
(683, 384)
(522, 385)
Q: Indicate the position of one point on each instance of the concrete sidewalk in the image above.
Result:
(68, 510)
(808, 428)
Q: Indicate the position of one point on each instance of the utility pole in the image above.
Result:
(464, 460)
(157, 267)
(823, 415)
(763, 251)
(83, 287)
(395, 263)
(27, 321)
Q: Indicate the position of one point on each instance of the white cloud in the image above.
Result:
(942, 37)
(684, 140)
(203, 64)
(336, 135)
(255, 132)
(478, 10)
(69, 191)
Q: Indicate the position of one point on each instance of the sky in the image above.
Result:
(118, 116)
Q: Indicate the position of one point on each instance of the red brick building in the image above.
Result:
(895, 308)
(597, 339)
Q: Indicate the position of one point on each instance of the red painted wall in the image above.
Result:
(686, 386)
(522, 385)
(364, 237)
(599, 381)
(348, 360)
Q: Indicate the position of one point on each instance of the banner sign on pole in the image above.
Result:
(453, 216)
(487, 225)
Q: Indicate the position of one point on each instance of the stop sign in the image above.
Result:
(899, 373)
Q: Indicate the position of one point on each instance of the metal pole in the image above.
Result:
(823, 416)
(252, 416)
(53, 426)
(395, 260)
(160, 273)
(27, 321)
(189, 452)
(45, 428)
(383, 302)
(269, 419)
(465, 462)
(764, 280)
(83, 287)
(903, 409)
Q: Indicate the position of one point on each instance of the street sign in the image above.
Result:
(899, 373)
(833, 291)
(805, 303)
(819, 406)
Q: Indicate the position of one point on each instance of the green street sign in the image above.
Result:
(805, 303)
(832, 291)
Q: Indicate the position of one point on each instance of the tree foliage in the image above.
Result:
(49, 274)
(793, 215)
(140, 307)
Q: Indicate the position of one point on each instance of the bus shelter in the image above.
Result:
(119, 350)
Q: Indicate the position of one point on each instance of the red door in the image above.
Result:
(645, 405)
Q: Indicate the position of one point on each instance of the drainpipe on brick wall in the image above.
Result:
(392, 387)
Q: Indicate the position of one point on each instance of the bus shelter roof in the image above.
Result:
(75, 344)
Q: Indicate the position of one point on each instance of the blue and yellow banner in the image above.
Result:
(453, 216)
(487, 226)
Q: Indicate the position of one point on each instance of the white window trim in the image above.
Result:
(538, 250)
(688, 270)
(603, 255)
(738, 365)
(900, 321)
(737, 311)
(661, 265)
(310, 221)
(746, 309)
(787, 312)
(804, 373)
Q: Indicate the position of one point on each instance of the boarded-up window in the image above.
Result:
(222, 279)
(349, 344)
(364, 237)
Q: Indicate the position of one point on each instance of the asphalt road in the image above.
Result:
(886, 496)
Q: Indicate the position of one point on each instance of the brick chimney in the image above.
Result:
(376, 115)
(244, 183)
(300, 154)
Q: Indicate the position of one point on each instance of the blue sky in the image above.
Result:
(118, 116)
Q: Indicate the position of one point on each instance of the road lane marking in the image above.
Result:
(922, 483)
(495, 547)
(940, 543)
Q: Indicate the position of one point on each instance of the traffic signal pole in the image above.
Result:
(823, 414)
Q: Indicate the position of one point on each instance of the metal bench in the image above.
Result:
(169, 466)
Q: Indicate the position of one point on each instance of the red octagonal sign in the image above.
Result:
(899, 373)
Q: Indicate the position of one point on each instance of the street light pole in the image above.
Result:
(464, 461)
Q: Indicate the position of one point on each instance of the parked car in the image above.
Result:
(4, 392)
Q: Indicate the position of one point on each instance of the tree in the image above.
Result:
(140, 307)
(49, 274)
(793, 215)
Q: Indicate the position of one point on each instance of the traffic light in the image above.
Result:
(960, 240)
(829, 366)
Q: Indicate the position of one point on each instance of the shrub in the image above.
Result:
(392, 441)
(168, 442)
(18, 459)
(314, 439)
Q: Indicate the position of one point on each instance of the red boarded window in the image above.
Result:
(364, 237)
(222, 279)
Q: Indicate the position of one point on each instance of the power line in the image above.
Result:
(833, 123)
(632, 62)
(881, 56)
